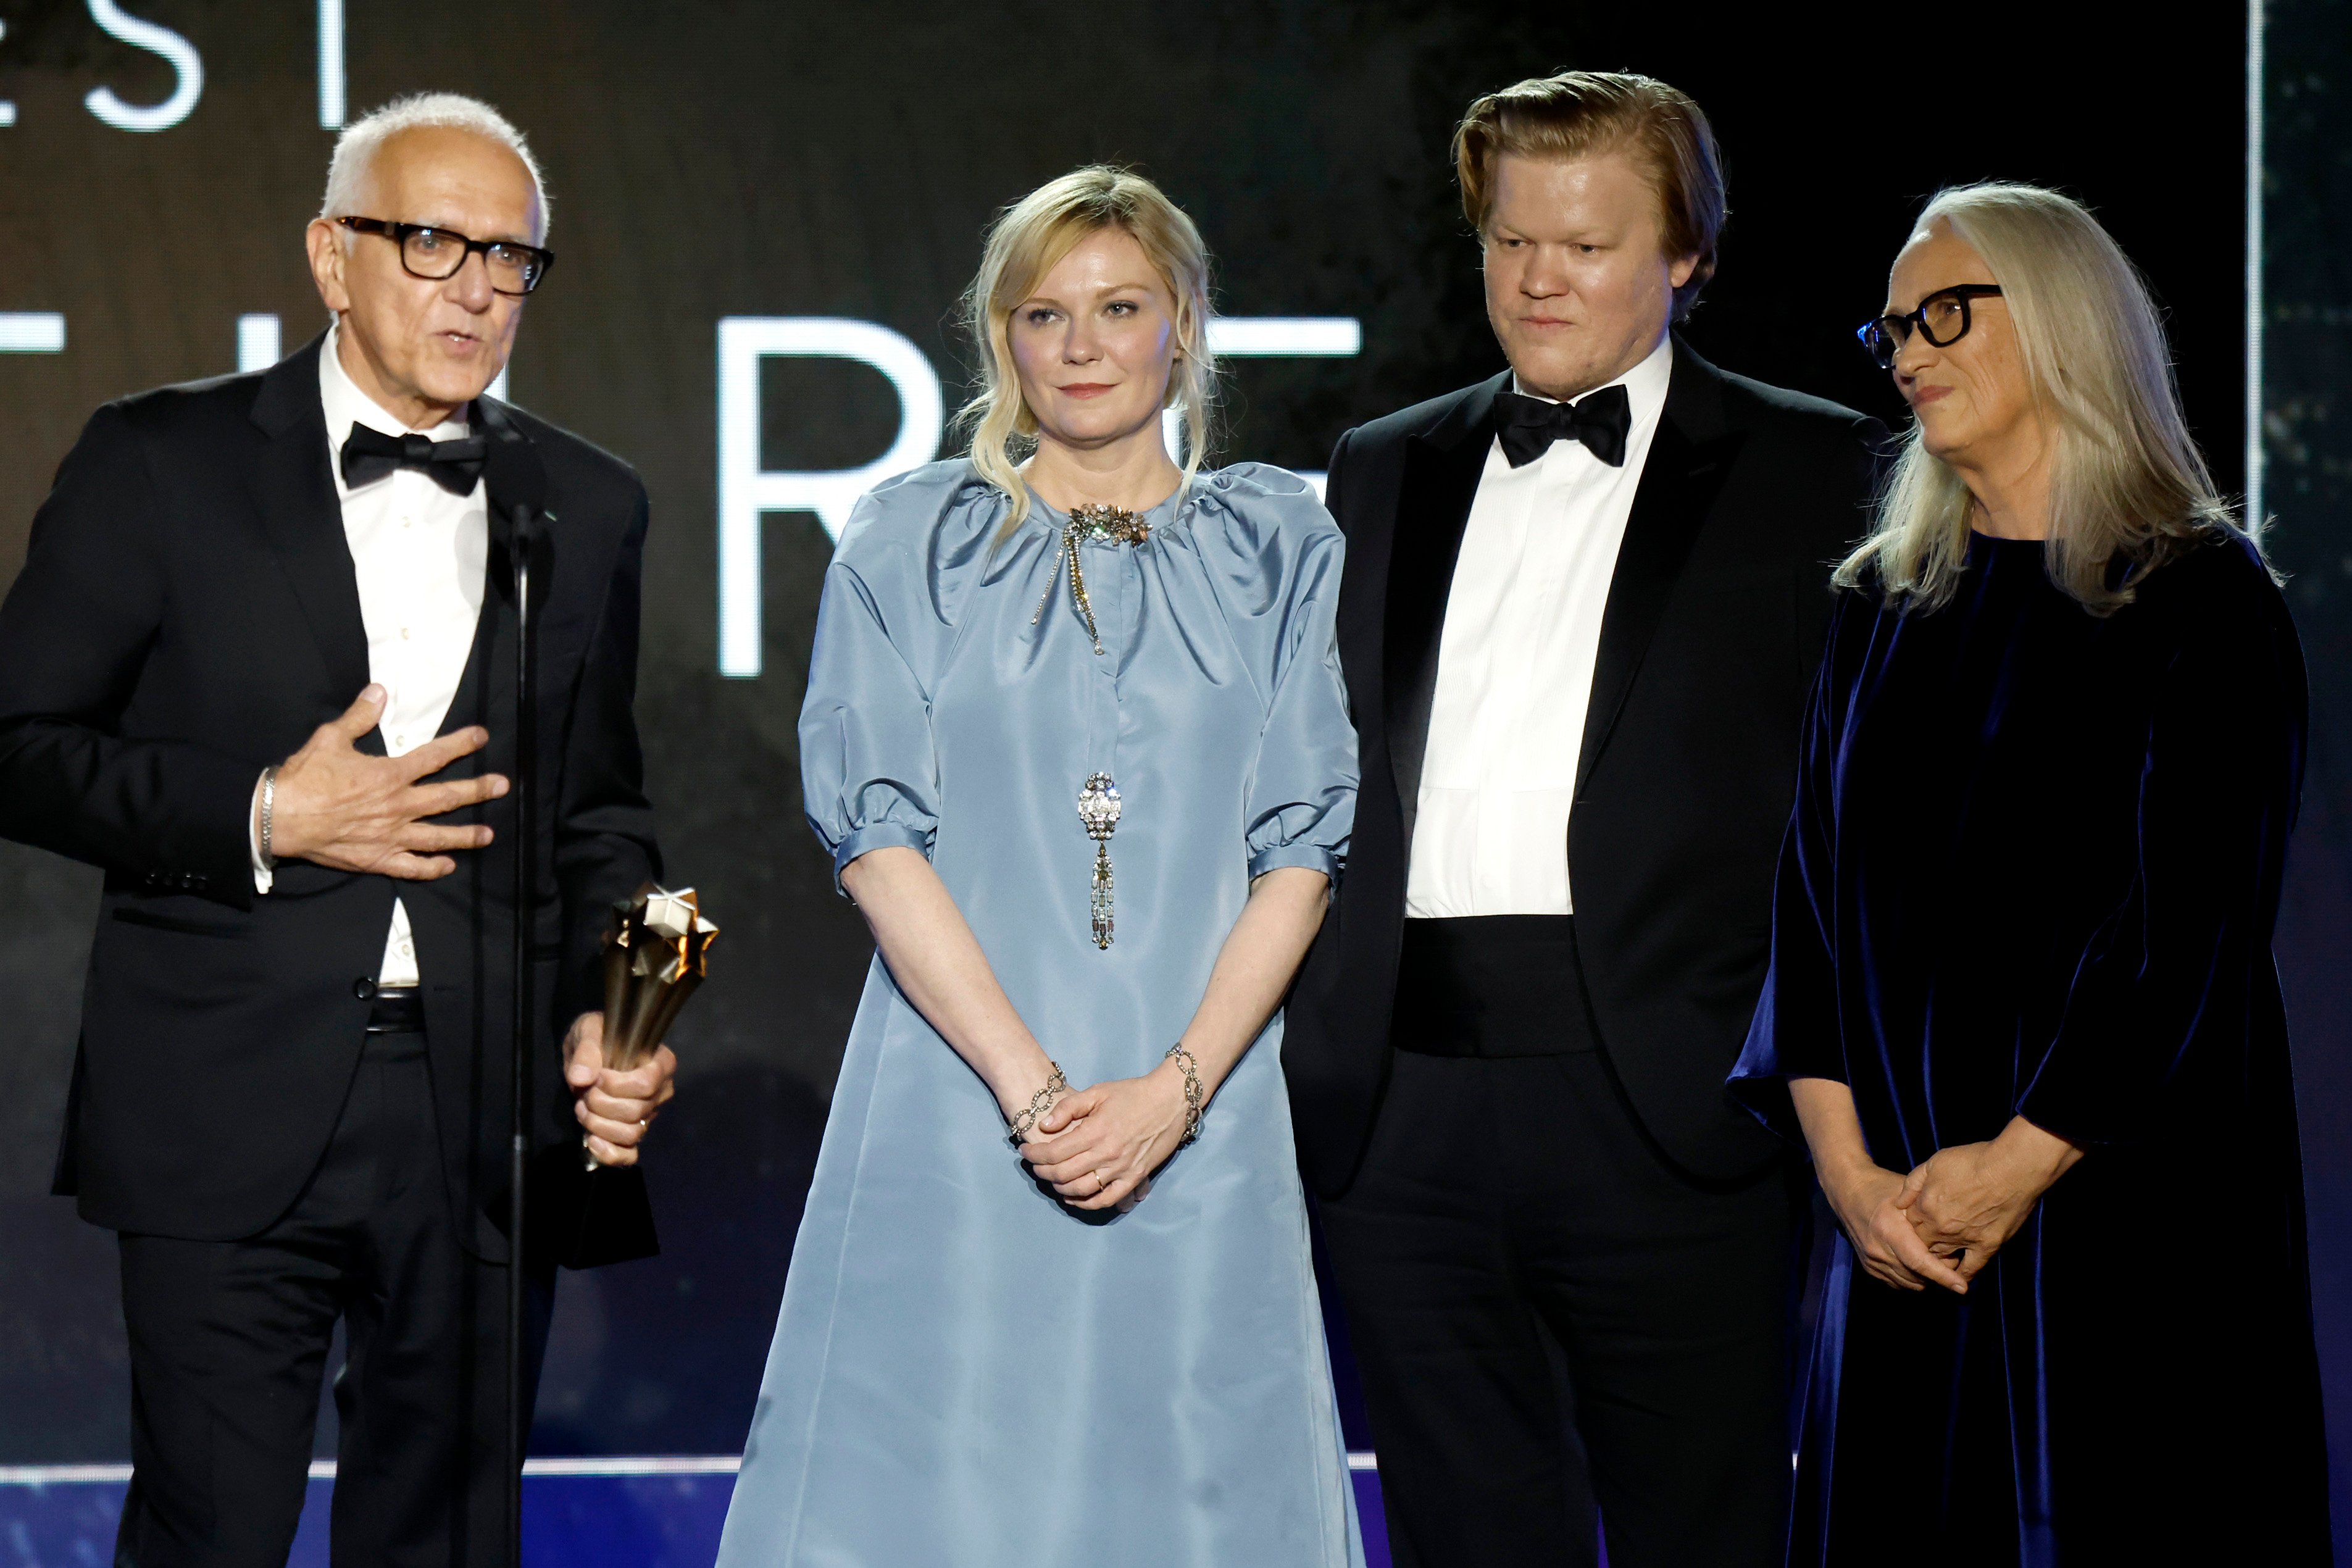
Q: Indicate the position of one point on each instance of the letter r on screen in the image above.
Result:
(746, 490)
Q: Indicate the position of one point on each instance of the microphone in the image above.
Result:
(517, 481)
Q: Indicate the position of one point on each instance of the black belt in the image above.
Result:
(397, 1010)
(1491, 985)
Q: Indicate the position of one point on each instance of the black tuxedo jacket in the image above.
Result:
(1715, 621)
(188, 614)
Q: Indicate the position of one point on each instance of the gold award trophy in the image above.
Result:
(656, 951)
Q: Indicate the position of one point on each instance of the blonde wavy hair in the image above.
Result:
(1028, 240)
(2126, 481)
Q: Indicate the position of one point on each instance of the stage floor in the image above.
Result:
(577, 1513)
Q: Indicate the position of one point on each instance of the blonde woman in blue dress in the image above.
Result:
(1075, 738)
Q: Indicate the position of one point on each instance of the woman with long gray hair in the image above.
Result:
(2021, 1002)
(1076, 741)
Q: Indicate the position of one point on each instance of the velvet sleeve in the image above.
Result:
(1796, 1031)
(2173, 970)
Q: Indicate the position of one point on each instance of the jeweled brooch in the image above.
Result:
(1098, 525)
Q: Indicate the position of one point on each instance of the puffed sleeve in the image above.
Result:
(869, 770)
(1796, 1032)
(1301, 800)
(2178, 983)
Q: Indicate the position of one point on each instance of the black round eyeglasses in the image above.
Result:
(1942, 319)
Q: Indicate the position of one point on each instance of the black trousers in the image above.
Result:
(228, 1342)
(1547, 1318)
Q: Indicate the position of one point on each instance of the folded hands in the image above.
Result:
(1946, 1220)
(1098, 1146)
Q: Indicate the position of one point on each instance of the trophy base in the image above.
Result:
(591, 1218)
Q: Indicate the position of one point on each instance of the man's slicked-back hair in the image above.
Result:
(356, 148)
(1578, 113)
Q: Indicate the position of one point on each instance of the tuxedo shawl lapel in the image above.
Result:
(294, 491)
(1440, 480)
(1689, 457)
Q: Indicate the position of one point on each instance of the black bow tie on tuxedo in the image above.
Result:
(1530, 425)
(456, 466)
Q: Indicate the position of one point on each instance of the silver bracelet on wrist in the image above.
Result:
(1194, 1100)
(1040, 1103)
(268, 809)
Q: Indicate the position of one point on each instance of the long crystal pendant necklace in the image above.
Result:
(1098, 799)
(1098, 808)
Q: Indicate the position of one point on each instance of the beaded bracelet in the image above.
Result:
(1040, 1103)
(1193, 1099)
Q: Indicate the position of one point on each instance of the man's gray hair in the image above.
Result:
(356, 148)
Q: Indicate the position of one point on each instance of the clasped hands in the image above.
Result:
(1098, 1146)
(1946, 1220)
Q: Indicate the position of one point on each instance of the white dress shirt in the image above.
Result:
(1514, 671)
(420, 554)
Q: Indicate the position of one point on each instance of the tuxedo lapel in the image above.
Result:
(294, 491)
(1434, 497)
(1690, 456)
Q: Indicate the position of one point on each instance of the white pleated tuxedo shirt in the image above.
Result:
(420, 553)
(1515, 671)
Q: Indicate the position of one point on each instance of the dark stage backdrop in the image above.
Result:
(818, 176)
(2305, 401)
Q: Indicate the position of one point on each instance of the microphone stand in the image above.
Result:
(518, 1434)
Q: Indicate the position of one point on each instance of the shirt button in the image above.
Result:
(400, 740)
(404, 633)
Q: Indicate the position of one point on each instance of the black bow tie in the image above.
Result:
(455, 466)
(1530, 425)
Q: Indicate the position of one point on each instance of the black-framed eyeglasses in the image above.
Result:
(1942, 319)
(435, 253)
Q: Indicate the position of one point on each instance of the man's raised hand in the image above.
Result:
(341, 808)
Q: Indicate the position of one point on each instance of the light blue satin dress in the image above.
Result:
(965, 1373)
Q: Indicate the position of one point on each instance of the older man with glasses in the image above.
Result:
(256, 668)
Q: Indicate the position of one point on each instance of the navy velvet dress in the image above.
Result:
(2032, 870)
